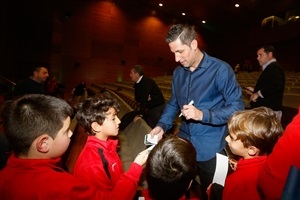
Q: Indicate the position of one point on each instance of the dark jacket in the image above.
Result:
(29, 86)
(271, 84)
(143, 89)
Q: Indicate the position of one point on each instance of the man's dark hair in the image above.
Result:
(138, 69)
(185, 33)
(269, 49)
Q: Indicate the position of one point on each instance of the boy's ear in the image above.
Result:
(253, 151)
(96, 127)
(43, 143)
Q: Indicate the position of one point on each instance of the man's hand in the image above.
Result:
(254, 97)
(191, 112)
(157, 131)
(249, 90)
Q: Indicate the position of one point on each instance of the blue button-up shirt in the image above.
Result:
(215, 91)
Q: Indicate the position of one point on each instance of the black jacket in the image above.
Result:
(143, 89)
(271, 84)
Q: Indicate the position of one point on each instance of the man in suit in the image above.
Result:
(269, 87)
(148, 94)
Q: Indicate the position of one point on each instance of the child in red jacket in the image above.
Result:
(252, 136)
(98, 163)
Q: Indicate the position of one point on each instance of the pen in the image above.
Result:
(191, 103)
(247, 90)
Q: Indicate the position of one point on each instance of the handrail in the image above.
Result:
(7, 80)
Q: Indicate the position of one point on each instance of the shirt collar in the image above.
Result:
(139, 79)
(270, 61)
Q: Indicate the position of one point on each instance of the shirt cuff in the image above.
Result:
(259, 94)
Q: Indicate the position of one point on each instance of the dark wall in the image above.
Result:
(98, 40)
(101, 40)
(25, 36)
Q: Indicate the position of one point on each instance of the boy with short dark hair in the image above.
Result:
(170, 169)
(99, 163)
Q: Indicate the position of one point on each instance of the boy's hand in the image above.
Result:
(232, 163)
(141, 158)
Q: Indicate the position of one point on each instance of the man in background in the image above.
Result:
(269, 87)
(33, 84)
(148, 94)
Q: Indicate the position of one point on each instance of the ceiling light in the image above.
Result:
(160, 4)
(183, 13)
(237, 5)
(203, 22)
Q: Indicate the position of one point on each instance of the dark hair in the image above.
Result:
(94, 109)
(36, 66)
(170, 168)
(138, 69)
(258, 127)
(185, 33)
(30, 116)
(269, 49)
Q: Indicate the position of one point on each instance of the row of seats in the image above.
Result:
(291, 94)
(129, 100)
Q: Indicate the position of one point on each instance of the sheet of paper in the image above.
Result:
(221, 169)
(149, 141)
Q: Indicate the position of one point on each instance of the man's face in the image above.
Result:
(41, 75)
(183, 53)
(263, 57)
(134, 75)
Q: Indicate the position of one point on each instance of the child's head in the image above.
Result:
(98, 114)
(171, 166)
(35, 122)
(253, 132)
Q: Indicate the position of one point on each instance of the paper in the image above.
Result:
(221, 169)
(150, 141)
(150, 148)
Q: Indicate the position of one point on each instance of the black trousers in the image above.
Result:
(206, 171)
(153, 115)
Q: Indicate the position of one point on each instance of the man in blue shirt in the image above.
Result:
(211, 84)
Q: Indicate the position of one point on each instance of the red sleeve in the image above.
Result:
(90, 169)
(285, 154)
(231, 190)
(126, 187)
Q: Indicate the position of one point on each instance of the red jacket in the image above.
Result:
(42, 179)
(145, 194)
(285, 154)
(90, 167)
(242, 183)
